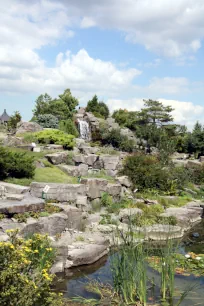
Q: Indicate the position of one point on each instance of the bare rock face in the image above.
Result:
(186, 215)
(110, 162)
(57, 158)
(124, 181)
(28, 127)
(12, 141)
(59, 192)
(25, 205)
(95, 187)
(159, 232)
(14, 189)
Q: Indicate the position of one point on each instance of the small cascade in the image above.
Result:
(83, 129)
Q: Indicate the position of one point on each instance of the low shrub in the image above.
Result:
(25, 278)
(55, 137)
(117, 140)
(15, 164)
(147, 172)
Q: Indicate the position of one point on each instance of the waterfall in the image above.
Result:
(83, 129)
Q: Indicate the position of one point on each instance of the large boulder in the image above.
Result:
(14, 189)
(15, 206)
(81, 170)
(114, 190)
(86, 253)
(12, 141)
(159, 232)
(28, 127)
(57, 158)
(59, 192)
(124, 181)
(51, 225)
(186, 215)
(95, 187)
(110, 162)
(91, 159)
(127, 214)
(192, 164)
(85, 149)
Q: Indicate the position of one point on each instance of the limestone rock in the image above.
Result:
(88, 149)
(28, 127)
(14, 189)
(51, 225)
(124, 181)
(186, 215)
(87, 254)
(57, 158)
(193, 164)
(79, 159)
(27, 204)
(126, 214)
(91, 159)
(162, 232)
(110, 162)
(114, 190)
(95, 187)
(59, 192)
(12, 141)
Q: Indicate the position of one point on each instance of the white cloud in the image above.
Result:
(170, 28)
(168, 85)
(184, 112)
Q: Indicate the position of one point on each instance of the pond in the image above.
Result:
(74, 282)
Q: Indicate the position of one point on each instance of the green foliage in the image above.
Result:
(25, 278)
(106, 200)
(117, 140)
(14, 120)
(147, 172)
(15, 164)
(48, 121)
(55, 137)
(70, 101)
(69, 127)
(106, 219)
(99, 109)
(62, 108)
(2, 216)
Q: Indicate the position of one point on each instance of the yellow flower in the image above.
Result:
(35, 251)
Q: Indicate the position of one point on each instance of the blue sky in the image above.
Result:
(123, 51)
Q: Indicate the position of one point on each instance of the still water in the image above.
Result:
(73, 283)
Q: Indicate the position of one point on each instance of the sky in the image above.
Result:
(122, 50)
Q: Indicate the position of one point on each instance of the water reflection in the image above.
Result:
(73, 283)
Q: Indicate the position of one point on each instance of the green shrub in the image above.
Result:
(25, 278)
(55, 137)
(106, 200)
(197, 174)
(15, 164)
(48, 121)
(147, 172)
(69, 127)
(117, 140)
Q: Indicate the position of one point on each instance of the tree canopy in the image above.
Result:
(99, 109)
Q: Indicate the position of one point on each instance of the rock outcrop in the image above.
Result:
(28, 127)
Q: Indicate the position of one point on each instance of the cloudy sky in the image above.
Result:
(121, 50)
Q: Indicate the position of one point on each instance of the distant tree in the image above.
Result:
(99, 109)
(155, 113)
(48, 121)
(70, 101)
(14, 120)
(62, 108)
(42, 104)
(195, 140)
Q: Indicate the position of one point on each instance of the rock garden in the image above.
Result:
(94, 183)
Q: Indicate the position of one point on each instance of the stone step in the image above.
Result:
(14, 197)
(29, 203)
(14, 189)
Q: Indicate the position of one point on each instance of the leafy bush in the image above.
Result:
(15, 164)
(147, 172)
(106, 200)
(197, 174)
(117, 140)
(48, 121)
(69, 127)
(25, 278)
(55, 137)
(99, 109)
